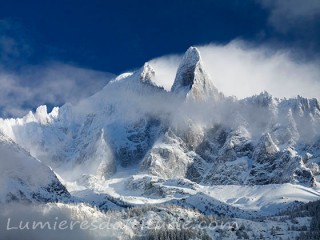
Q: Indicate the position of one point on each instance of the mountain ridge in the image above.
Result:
(18, 179)
(191, 132)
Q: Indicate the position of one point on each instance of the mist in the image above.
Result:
(53, 84)
(94, 222)
(242, 70)
(237, 69)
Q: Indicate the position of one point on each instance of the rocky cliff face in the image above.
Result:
(191, 80)
(260, 140)
(191, 132)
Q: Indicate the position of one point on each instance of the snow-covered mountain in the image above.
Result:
(193, 131)
(133, 143)
(24, 178)
(192, 80)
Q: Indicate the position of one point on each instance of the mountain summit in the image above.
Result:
(151, 154)
(192, 80)
(147, 73)
(134, 123)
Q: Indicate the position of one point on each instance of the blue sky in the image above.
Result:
(41, 39)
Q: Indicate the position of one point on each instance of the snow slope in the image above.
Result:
(24, 178)
(187, 143)
(229, 200)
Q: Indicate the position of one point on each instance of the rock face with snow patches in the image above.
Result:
(192, 132)
(191, 80)
(24, 178)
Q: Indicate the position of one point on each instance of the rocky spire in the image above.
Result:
(147, 74)
(191, 79)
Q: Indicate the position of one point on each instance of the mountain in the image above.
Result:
(191, 80)
(134, 143)
(24, 178)
(191, 132)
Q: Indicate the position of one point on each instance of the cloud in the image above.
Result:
(79, 221)
(242, 70)
(237, 69)
(165, 68)
(54, 84)
(14, 43)
(291, 14)
(24, 86)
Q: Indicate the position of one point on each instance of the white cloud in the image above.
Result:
(287, 15)
(236, 68)
(54, 84)
(165, 68)
(79, 221)
(242, 70)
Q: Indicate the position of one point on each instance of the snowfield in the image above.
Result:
(141, 155)
(136, 190)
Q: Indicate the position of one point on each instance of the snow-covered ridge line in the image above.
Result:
(18, 181)
(192, 132)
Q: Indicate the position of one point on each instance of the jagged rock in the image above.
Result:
(191, 80)
(147, 74)
(133, 122)
(266, 150)
(146, 185)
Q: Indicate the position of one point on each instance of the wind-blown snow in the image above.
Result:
(24, 178)
(135, 143)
